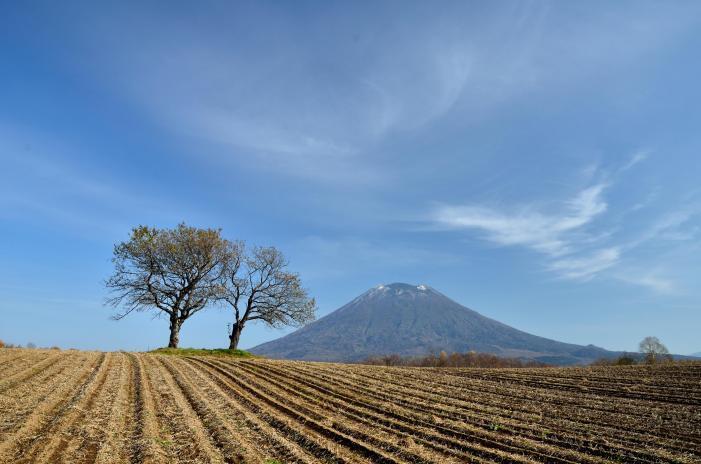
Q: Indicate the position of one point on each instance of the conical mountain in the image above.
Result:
(413, 320)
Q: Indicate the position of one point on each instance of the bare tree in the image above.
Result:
(258, 286)
(653, 349)
(174, 272)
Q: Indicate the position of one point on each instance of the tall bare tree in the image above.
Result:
(258, 286)
(175, 272)
(653, 349)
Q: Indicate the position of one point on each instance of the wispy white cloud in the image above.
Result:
(637, 158)
(39, 182)
(586, 267)
(650, 281)
(307, 112)
(316, 111)
(574, 247)
(676, 225)
(546, 233)
(560, 236)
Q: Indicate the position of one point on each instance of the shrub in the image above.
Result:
(2, 344)
(626, 359)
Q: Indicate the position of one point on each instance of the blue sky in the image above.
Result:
(538, 162)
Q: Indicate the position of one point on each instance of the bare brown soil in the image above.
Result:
(85, 407)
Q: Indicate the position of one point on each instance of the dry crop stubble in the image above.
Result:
(82, 407)
(587, 414)
(421, 427)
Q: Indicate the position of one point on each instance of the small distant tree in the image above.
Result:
(174, 272)
(625, 359)
(653, 349)
(454, 359)
(258, 286)
(31, 345)
(2, 344)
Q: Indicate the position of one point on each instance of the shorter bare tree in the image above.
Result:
(442, 359)
(258, 287)
(654, 350)
(175, 272)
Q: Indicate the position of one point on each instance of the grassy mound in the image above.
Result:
(203, 352)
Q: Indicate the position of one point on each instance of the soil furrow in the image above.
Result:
(49, 412)
(425, 394)
(66, 426)
(19, 402)
(417, 428)
(323, 410)
(182, 435)
(24, 375)
(127, 408)
(145, 429)
(277, 447)
(506, 423)
(376, 411)
(292, 426)
(234, 450)
(91, 428)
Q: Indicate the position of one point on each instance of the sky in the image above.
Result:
(538, 162)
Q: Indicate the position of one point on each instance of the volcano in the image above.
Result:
(413, 320)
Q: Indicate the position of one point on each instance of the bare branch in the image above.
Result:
(271, 294)
(176, 272)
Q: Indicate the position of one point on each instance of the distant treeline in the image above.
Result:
(443, 359)
(630, 359)
(29, 345)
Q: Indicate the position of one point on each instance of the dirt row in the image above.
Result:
(90, 407)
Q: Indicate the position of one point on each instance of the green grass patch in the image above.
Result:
(162, 442)
(203, 352)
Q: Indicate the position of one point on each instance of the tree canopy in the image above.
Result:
(179, 272)
(258, 286)
(175, 272)
(653, 349)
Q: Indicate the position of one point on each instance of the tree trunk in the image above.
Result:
(235, 335)
(174, 333)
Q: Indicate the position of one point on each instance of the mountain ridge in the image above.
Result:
(412, 320)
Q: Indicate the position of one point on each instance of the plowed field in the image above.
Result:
(80, 407)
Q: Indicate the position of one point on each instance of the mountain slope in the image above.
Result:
(414, 320)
